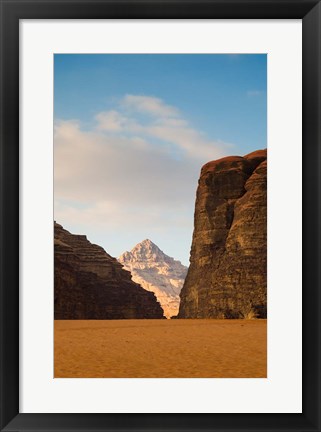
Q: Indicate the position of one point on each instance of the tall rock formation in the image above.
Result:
(90, 284)
(227, 273)
(156, 272)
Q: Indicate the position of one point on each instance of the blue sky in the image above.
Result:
(132, 132)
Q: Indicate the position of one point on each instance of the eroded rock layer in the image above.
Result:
(227, 273)
(90, 284)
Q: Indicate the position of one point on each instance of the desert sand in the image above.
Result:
(191, 348)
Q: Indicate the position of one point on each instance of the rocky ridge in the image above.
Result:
(90, 284)
(157, 272)
(227, 273)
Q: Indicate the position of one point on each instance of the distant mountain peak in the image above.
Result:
(145, 251)
(147, 241)
(146, 244)
(157, 272)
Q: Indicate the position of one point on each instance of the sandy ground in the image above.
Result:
(161, 349)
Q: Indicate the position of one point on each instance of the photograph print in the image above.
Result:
(160, 216)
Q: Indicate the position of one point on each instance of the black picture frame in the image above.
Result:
(14, 10)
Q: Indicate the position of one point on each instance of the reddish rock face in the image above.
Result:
(227, 274)
(90, 284)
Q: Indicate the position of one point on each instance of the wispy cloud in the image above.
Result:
(165, 123)
(129, 167)
(149, 105)
(111, 121)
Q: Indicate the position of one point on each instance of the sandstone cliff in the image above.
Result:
(157, 272)
(90, 284)
(227, 273)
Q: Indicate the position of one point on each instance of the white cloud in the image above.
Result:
(122, 160)
(126, 175)
(187, 140)
(174, 122)
(110, 121)
(149, 105)
(95, 167)
(169, 126)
